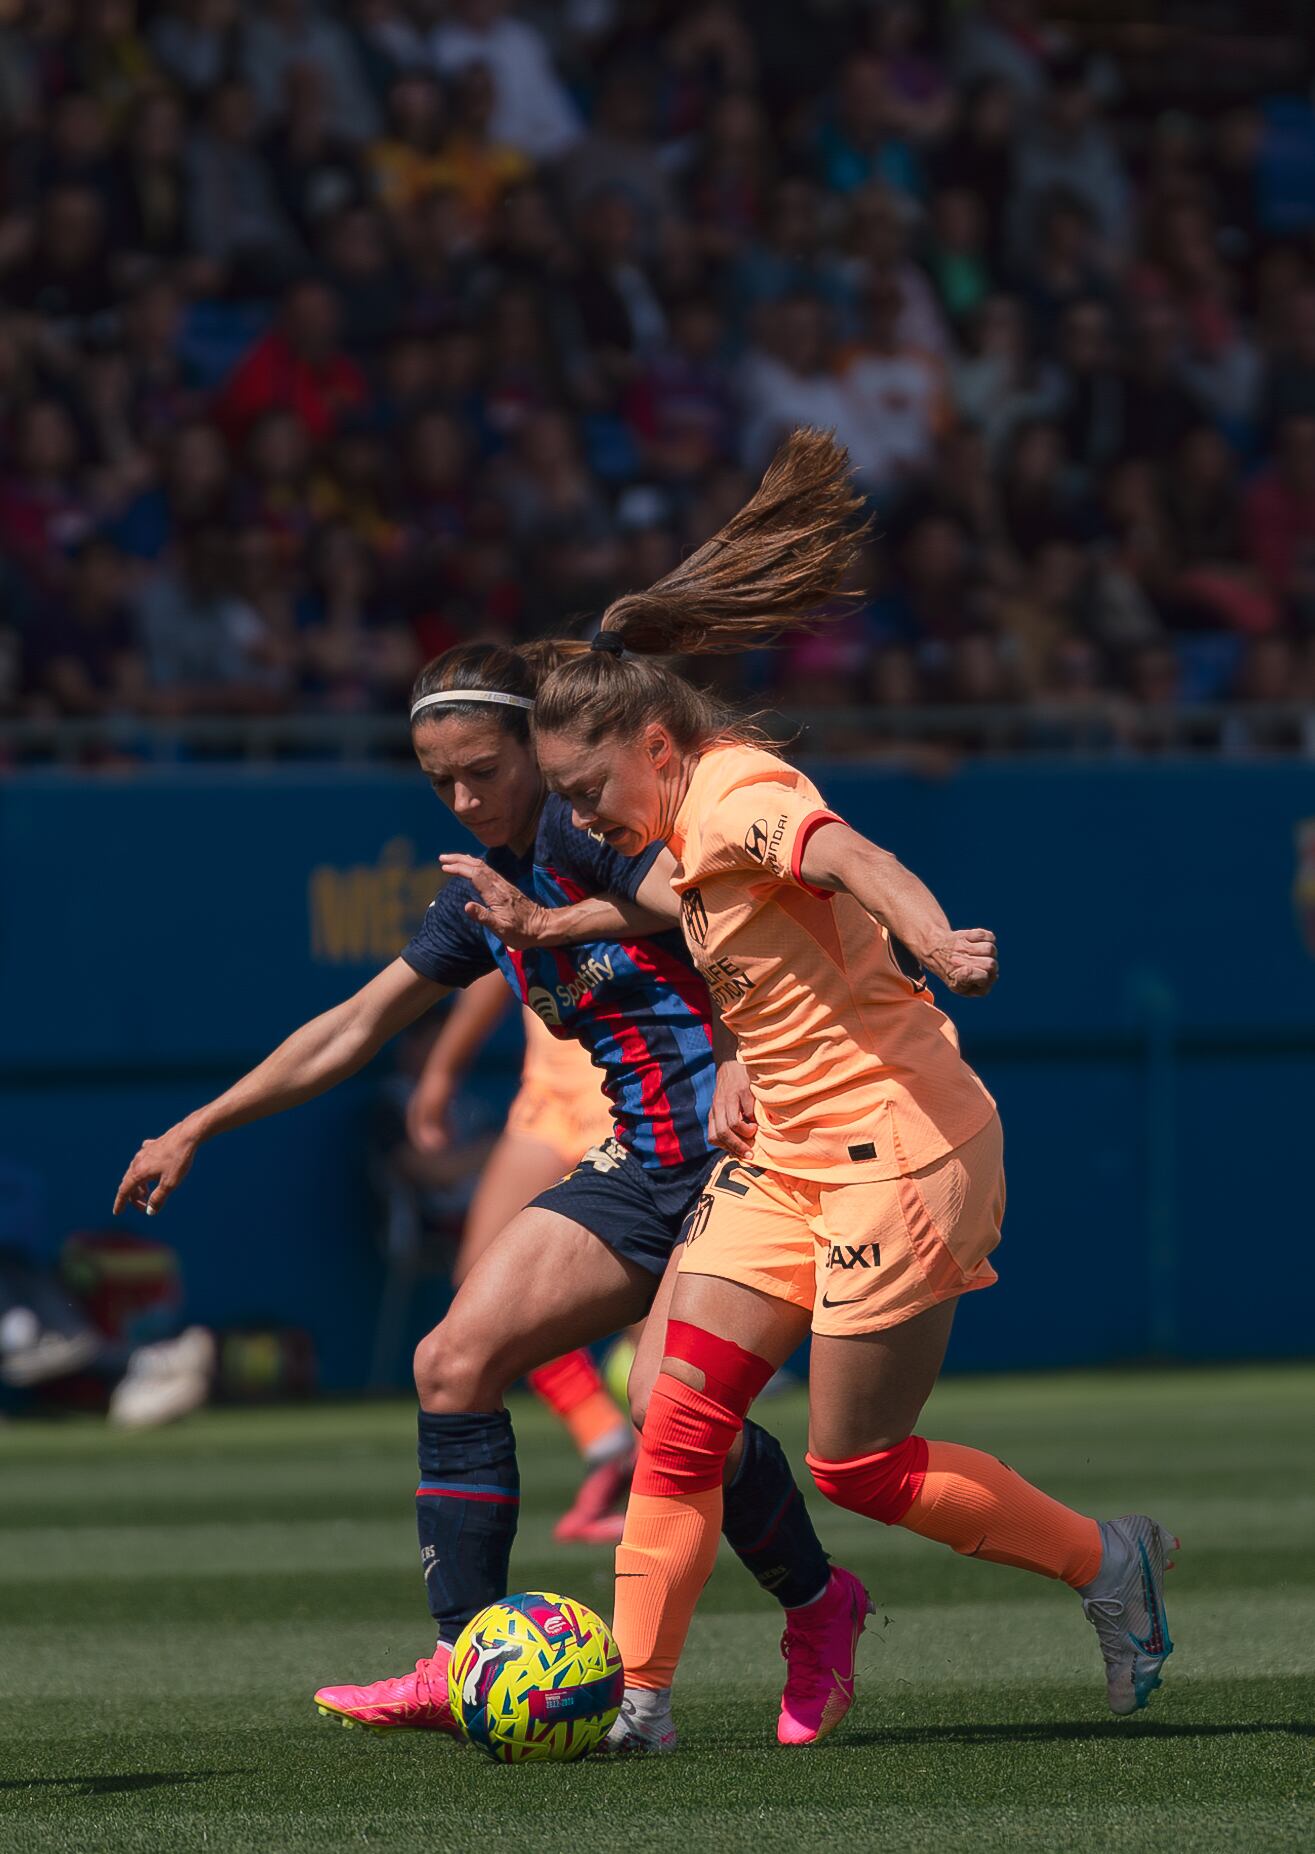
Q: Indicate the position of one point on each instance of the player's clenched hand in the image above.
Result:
(967, 961)
(166, 1160)
(501, 908)
(732, 1120)
(426, 1114)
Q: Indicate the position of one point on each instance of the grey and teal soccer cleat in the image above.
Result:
(1124, 1603)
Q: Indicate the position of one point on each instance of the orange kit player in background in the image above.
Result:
(870, 1189)
(559, 1112)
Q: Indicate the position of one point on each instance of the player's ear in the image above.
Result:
(658, 745)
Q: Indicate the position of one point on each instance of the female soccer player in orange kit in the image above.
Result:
(559, 1112)
(870, 1189)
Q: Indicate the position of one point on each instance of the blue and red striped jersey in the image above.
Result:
(638, 1006)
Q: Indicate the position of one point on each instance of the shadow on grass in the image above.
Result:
(1076, 1731)
(112, 1782)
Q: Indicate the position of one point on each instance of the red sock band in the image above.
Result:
(880, 1486)
(565, 1382)
(730, 1374)
(686, 1440)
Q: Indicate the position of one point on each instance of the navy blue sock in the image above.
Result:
(766, 1524)
(467, 1505)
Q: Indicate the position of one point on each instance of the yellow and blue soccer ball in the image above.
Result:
(535, 1676)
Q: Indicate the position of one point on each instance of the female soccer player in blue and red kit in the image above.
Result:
(586, 1256)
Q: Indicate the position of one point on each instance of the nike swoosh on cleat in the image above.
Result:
(1156, 1641)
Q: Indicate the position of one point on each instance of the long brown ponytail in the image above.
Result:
(770, 569)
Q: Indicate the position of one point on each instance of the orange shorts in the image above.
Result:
(858, 1257)
(570, 1124)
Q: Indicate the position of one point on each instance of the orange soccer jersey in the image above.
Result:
(856, 1074)
(561, 1100)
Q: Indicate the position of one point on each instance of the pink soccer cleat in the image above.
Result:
(406, 1703)
(819, 1644)
(598, 1514)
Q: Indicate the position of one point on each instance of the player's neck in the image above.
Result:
(523, 842)
(675, 786)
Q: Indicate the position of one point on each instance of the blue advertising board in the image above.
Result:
(1151, 1041)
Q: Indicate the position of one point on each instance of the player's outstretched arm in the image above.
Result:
(964, 958)
(520, 922)
(313, 1059)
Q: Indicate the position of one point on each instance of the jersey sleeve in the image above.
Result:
(759, 823)
(448, 947)
(595, 865)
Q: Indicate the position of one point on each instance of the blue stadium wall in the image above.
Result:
(1152, 1040)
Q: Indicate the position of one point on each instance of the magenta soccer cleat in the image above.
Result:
(406, 1703)
(819, 1644)
(598, 1515)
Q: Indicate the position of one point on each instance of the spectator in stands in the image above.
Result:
(895, 396)
(234, 213)
(367, 281)
(729, 186)
(1094, 405)
(283, 36)
(366, 285)
(1065, 145)
(44, 507)
(862, 137)
(680, 406)
(406, 162)
(300, 366)
(207, 649)
(475, 165)
(1001, 383)
(316, 169)
(532, 110)
(787, 378)
(66, 280)
(1280, 518)
(354, 656)
(150, 183)
(197, 43)
(194, 488)
(82, 652)
(792, 257)
(621, 150)
(618, 316)
(543, 483)
(878, 247)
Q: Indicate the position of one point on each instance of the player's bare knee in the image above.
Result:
(841, 1447)
(684, 1372)
(452, 1375)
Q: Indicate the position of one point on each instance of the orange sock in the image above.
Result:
(662, 1564)
(574, 1392)
(976, 1505)
(969, 1501)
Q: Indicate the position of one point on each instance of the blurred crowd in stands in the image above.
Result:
(331, 334)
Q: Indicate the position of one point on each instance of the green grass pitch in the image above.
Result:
(170, 1601)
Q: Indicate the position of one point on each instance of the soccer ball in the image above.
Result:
(535, 1676)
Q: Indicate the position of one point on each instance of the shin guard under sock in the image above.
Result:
(969, 1501)
(675, 1510)
(467, 1505)
(768, 1527)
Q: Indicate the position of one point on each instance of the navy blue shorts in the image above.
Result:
(635, 1210)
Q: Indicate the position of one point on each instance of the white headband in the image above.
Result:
(470, 695)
